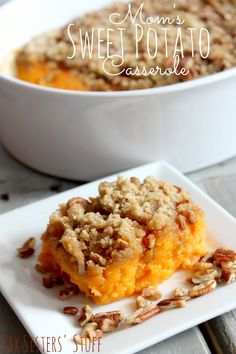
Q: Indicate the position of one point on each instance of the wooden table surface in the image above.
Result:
(20, 185)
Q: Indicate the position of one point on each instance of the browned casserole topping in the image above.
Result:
(115, 225)
(152, 203)
(218, 16)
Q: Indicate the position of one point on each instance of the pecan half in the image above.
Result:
(204, 276)
(27, 249)
(151, 293)
(67, 292)
(171, 303)
(229, 266)
(85, 315)
(227, 276)
(89, 333)
(142, 315)
(201, 266)
(208, 257)
(141, 302)
(52, 280)
(224, 255)
(202, 289)
(108, 321)
(70, 310)
(78, 200)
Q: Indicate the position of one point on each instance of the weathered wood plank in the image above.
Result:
(221, 332)
(223, 190)
(23, 185)
(224, 169)
(189, 342)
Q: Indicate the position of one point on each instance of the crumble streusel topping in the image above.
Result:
(99, 239)
(152, 203)
(121, 222)
(216, 15)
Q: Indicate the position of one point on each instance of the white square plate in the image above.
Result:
(39, 308)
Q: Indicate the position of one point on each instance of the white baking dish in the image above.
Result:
(84, 135)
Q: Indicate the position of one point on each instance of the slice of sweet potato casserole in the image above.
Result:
(132, 235)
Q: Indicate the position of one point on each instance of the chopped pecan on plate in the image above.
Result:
(27, 249)
(202, 266)
(142, 315)
(205, 275)
(208, 257)
(151, 293)
(224, 255)
(70, 310)
(141, 302)
(180, 294)
(90, 333)
(171, 303)
(202, 289)
(108, 321)
(227, 276)
(85, 315)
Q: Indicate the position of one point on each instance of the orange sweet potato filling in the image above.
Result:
(40, 73)
(173, 250)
